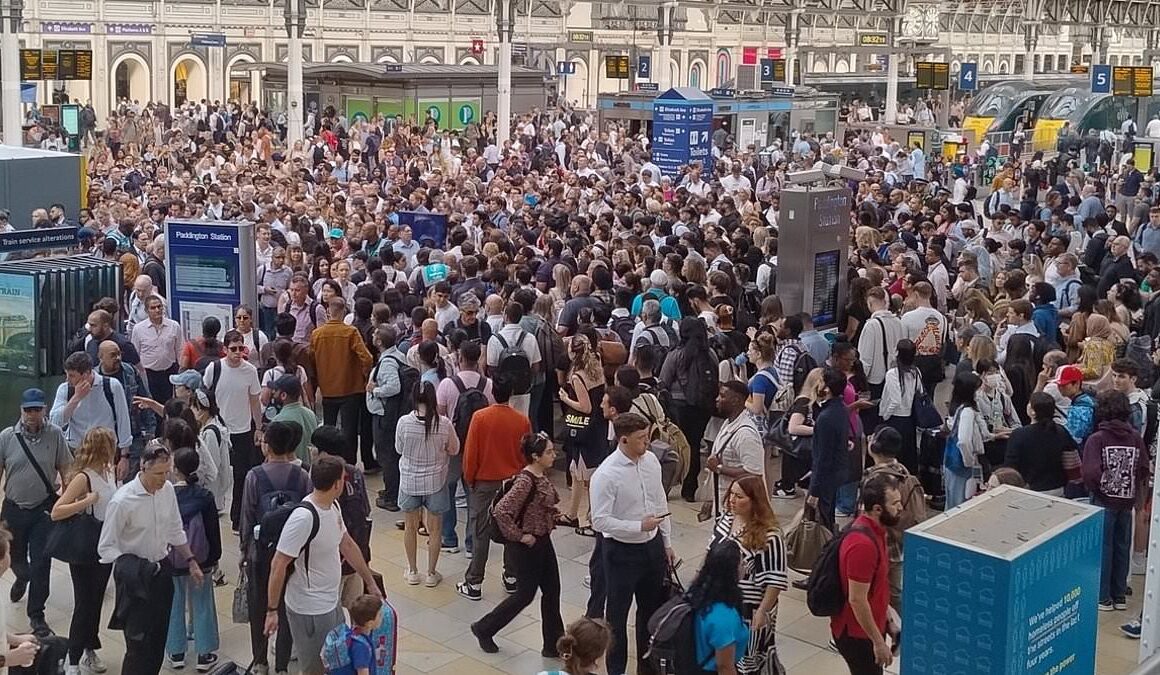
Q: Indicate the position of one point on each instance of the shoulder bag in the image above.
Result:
(74, 539)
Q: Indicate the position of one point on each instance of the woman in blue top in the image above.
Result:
(719, 632)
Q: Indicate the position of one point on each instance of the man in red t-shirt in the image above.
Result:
(860, 629)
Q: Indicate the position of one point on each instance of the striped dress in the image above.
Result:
(763, 568)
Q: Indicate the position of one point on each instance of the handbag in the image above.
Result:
(74, 539)
(240, 612)
(922, 409)
(794, 446)
(805, 539)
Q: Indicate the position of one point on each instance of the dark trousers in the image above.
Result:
(640, 574)
(479, 498)
(597, 587)
(29, 528)
(792, 470)
(859, 655)
(343, 411)
(259, 643)
(384, 431)
(1117, 552)
(692, 420)
(536, 568)
(89, 583)
(159, 386)
(144, 653)
(243, 457)
(366, 437)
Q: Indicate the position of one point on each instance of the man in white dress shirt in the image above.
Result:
(142, 525)
(630, 509)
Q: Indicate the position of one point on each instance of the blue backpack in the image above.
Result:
(952, 455)
(336, 648)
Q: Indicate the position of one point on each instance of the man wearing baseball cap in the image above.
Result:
(1075, 408)
(33, 453)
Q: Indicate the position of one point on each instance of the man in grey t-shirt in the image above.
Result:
(27, 493)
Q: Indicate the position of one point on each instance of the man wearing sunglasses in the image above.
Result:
(142, 534)
(234, 381)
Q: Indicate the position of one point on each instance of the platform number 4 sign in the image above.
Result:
(969, 77)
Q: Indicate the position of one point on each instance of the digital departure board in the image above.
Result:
(932, 75)
(616, 67)
(1132, 80)
(779, 70)
(825, 299)
(54, 64)
(29, 65)
(48, 64)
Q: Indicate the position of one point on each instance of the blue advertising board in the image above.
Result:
(682, 130)
(1007, 600)
(1101, 78)
(644, 67)
(431, 226)
(211, 269)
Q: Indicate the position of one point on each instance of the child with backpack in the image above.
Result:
(581, 646)
(349, 649)
(199, 517)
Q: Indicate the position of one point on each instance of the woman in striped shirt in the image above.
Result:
(425, 441)
(749, 521)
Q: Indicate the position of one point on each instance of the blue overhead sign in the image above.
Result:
(566, 67)
(644, 67)
(207, 39)
(969, 77)
(682, 131)
(722, 92)
(1101, 78)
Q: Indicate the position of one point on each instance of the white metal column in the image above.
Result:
(11, 16)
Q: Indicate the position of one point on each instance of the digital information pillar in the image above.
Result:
(813, 252)
(212, 269)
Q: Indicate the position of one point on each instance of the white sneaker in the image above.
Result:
(433, 580)
(72, 670)
(412, 577)
(92, 662)
(1139, 564)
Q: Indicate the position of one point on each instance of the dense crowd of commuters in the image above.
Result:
(583, 311)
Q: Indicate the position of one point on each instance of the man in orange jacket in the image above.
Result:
(341, 379)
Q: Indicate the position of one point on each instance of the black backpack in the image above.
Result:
(803, 364)
(672, 649)
(702, 385)
(356, 512)
(514, 363)
(470, 401)
(274, 509)
(650, 340)
(408, 380)
(824, 595)
(622, 326)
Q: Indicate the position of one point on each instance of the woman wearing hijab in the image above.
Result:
(1097, 351)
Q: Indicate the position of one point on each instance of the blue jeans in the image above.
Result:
(847, 501)
(205, 626)
(956, 488)
(1117, 552)
(451, 516)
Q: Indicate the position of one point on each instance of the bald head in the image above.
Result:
(109, 355)
(143, 286)
(581, 285)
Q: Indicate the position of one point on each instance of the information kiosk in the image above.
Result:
(1006, 584)
(813, 251)
(212, 268)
